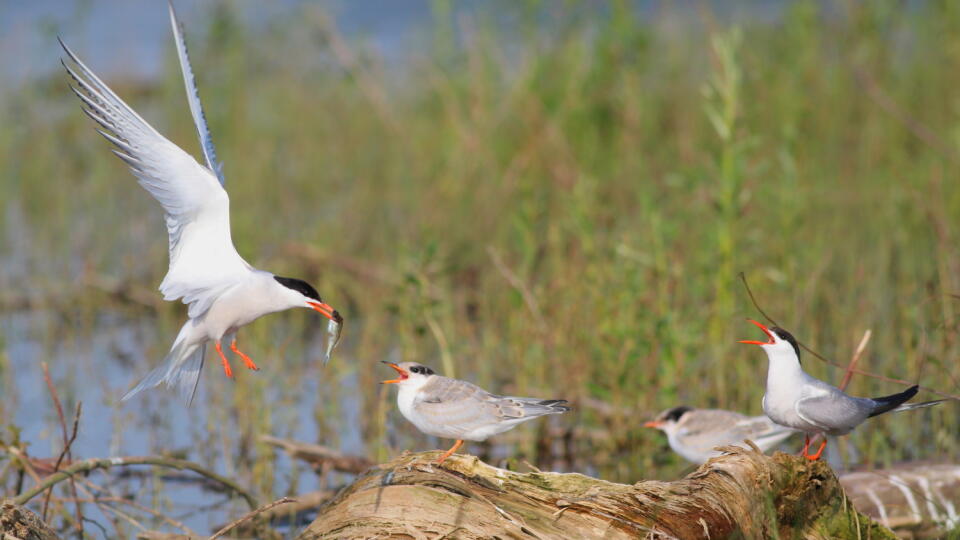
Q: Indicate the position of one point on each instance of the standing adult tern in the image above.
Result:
(222, 290)
(797, 400)
(695, 433)
(455, 409)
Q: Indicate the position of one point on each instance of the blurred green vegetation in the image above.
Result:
(556, 206)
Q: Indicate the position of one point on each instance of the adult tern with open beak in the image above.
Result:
(455, 409)
(797, 400)
(695, 433)
(222, 290)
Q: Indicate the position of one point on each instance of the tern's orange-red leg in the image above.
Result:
(806, 444)
(246, 359)
(450, 452)
(223, 359)
(816, 456)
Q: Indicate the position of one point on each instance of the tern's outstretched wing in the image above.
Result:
(193, 97)
(203, 260)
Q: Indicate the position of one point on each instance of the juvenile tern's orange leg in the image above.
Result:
(816, 456)
(450, 452)
(246, 359)
(223, 360)
(806, 444)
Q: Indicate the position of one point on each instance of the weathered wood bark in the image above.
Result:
(740, 494)
(19, 523)
(916, 500)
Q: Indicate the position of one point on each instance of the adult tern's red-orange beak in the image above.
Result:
(765, 331)
(653, 424)
(325, 309)
(403, 373)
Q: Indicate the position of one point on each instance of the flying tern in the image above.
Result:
(695, 433)
(222, 290)
(797, 400)
(455, 409)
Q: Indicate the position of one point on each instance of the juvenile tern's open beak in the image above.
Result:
(653, 424)
(325, 309)
(765, 331)
(403, 373)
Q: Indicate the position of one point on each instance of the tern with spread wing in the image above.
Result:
(696, 433)
(455, 409)
(222, 290)
(797, 400)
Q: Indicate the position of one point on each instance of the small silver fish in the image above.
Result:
(334, 328)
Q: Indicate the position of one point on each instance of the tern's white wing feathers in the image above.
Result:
(203, 260)
(193, 97)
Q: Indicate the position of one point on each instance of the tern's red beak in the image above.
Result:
(653, 424)
(765, 331)
(403, 374)
(325, 309)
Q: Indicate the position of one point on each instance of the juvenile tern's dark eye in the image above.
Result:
(415, 369)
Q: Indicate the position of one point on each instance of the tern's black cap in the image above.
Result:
(300, 286)
(676, 413)
(783, 334)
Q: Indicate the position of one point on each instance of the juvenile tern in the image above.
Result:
(695, 433)
(222, 290)
(797, 400)
(455, 409)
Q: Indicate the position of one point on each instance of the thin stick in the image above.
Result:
(770, 319)
(66, 444)
(133, 504)
(250, 515)
(514, 280)
(855, 359)
(88, 465)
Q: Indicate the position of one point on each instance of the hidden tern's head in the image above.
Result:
(411, 374)
(667, 420)
(780, 343)
(301, 294)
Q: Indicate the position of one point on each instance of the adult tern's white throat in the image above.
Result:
(222, 290)
(797, 400)
(455, 409)
(695, 433)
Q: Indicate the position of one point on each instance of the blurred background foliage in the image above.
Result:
(550, 199)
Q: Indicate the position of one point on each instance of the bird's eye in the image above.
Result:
(415, 370)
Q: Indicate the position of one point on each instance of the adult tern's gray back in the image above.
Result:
(797, 400)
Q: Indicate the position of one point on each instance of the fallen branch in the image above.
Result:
(320, 456)
(89, 465)
(741, 494)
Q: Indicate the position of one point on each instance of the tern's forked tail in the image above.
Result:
(180, 369)
(893, 401)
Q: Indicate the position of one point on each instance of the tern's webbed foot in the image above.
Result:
(246, 359)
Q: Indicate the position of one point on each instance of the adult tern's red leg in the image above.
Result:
(806, 444)
(223, 360)
(246, 359)
(816, 456)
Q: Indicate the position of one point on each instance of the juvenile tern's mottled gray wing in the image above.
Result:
(705, 429)
(464, 407)
(203, 261)
(193, 98)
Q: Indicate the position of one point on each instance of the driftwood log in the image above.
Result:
(916, 500)
(742, 493)
(18, 523)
